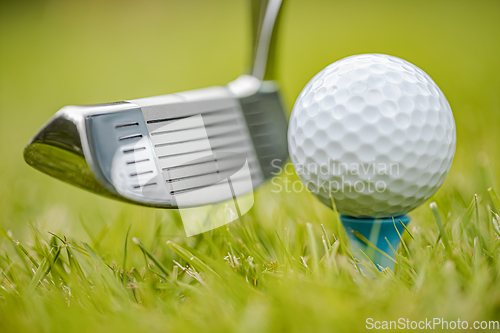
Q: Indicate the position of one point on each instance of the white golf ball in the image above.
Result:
(374, 133)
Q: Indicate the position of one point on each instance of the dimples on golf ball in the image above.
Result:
(375, 133)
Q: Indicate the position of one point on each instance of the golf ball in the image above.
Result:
(373, 132)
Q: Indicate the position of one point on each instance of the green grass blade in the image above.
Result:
(124, 267)
(151, 256)
(406, 228)
(371, 245)
(191, 258)
(401, 238)
(23, 249)
(326, 236)
(312, 246)
(442, 231)
(40, 272)
(494, 200)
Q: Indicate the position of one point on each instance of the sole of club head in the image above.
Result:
(179, 150)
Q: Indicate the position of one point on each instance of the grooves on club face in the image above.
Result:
(176, 150)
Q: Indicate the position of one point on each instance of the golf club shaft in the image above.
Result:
(265, 15)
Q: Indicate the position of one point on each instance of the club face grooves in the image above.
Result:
(127, 125)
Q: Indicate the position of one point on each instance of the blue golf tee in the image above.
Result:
(376, 231)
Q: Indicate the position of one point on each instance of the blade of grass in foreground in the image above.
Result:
(401, 237)
(326, 236)
(459, 260)
(312, 246)
(23, 249)
(338, 224)
(40, 272)
(124, 267)
(406, 228)
(440, 226)
(369, 259)
(107, 278)
(191, 258)
(494, 199)
(294, 263)
(76, 269)
(151, 256)
(370, 244)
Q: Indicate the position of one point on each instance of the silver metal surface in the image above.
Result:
(266, 13)
(173, 150)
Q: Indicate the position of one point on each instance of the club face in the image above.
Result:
(174, 151)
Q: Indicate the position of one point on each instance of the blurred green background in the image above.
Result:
(55, 53)
(59, 52)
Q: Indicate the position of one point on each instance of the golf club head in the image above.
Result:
(179, 150)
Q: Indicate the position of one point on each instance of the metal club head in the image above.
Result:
(173, 151)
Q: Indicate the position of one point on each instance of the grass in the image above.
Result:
(289, 276)
(73, 261)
